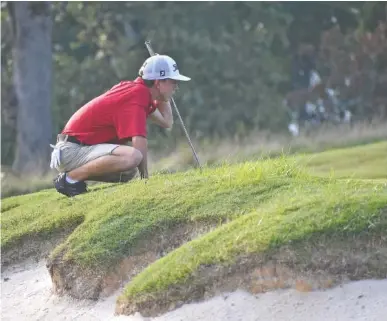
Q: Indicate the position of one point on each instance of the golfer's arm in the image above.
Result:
(141, 143)
(162, 116)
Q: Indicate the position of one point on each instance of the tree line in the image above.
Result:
(58, 55)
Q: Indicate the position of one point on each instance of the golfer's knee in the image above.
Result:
(134, 158)
(137, 156)
(129, 157)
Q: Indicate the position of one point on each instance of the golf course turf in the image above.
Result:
(193, 229)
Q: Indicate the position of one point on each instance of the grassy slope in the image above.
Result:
(310, 207)
(268, 202)
(366, 161)
(338, 209)
(117, 217)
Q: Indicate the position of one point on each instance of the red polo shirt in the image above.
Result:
(115, 116)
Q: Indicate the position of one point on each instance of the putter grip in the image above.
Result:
(149, 47)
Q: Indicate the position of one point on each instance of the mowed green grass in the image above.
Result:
(366, 161)
(304, 211)
(114, 218)
(257, 205)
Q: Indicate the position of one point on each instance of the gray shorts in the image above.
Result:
(73, 156)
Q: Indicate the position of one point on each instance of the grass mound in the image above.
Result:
(40, 215)
(253, 207)
(304, 211)
(115, 218)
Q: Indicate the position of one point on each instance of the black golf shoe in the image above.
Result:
(70, 190)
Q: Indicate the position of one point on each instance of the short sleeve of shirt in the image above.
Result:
(130, 122)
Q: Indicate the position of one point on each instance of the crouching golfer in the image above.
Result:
(94, 143)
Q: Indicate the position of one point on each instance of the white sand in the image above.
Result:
(27, 296)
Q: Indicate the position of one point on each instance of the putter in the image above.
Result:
(152, 53)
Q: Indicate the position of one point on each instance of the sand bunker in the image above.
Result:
(26, 295)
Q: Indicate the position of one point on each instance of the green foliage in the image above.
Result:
(8, 98)
(237, 53)
(225, 48)
(355, 65)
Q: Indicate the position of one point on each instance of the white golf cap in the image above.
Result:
(161, 67)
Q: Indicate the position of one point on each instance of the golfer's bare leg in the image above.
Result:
(119, 177)
(123, 158)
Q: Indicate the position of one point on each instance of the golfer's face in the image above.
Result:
(167, 87)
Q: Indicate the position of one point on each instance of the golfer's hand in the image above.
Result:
(144, 175)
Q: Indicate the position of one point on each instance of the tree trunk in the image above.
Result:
(32, 74)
